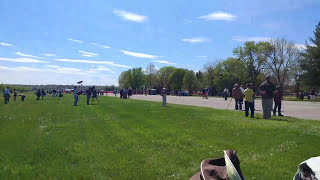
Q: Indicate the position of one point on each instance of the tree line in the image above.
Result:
(291, 67)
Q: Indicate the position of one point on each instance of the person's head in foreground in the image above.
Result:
(248, 85)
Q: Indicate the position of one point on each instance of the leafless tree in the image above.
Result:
(282, 57)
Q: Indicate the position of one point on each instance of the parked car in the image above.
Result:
(153, 92)
(185, 93)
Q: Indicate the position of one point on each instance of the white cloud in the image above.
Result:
(22, 60)
(139, 55)
(256, 39)
(88, 54)
(196, 40)
(93, 62)
(27, 55)
(75, 40)
(53, 66)
(58, 68)
(303, 46)
(3, 67)
(5, 44)
(49, 55)
(165, 62)
(95, 44)
(219, 16)
(130, 16)
(201, 56)
(18, 75)
(101, 69)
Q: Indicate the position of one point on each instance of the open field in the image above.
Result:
(135, 139)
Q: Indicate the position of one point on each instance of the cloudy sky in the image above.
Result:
(62, 42)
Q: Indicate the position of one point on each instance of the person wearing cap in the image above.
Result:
(277, 101)
(6, 95)
(238, 97)
(164, 96)
(267, 89)
(75, 95)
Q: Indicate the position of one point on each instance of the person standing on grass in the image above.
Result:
(203, 93)
(277, 101)
(6, 95)
(121, 93)
(267, 89)
(164, 96)
(88, 95)
(115, 93)
(254, 95)
(38, 93)
(238, 97)
(22, 97)
(15, 94)
(75, 96)
(242, 90)
(313, 96)
(248, 103)
(43, 93)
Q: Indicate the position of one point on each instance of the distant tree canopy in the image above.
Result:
(310, 61)
(288, 65)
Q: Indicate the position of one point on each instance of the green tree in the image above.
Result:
(125, 79)
(310, 63)
(229, 72)
(137, 78)
(164, 74)
(282, 58)
(151, 78)
(200, 78)
(176, 78)
(190, 81)
(252, 54)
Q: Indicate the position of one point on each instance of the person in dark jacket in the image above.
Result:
(129, 93)
(15, 94)
(267, 89)
(43, 93)
(88, 92)
(75, 96)
(277, 101)
(121, 93)
(38, 93)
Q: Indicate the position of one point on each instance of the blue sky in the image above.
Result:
(62, 42)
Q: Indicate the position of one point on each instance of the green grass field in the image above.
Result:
(132, 139)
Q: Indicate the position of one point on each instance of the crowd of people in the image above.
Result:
(269, 94)
(91, 93)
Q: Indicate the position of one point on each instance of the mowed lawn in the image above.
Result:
(132, 139)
